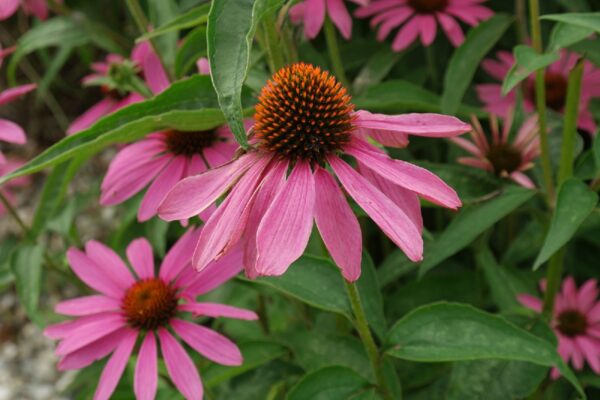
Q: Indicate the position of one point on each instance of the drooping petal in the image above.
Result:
(194, 194)
(139, 253)
(8, 8)
(530, 302)
(92, 274)
(216, 310)
(87, 305)
(146, 369)
(8, 95)
(419, 124)
(83, 335)
(406, 35)
(97, 111)
(207, 342)
(285, 229)
(314, 16)
(180, 366)
(452, 29)
(94, 351)
(154, 73)
(522, 180)
(590, 350)
(157, 191)
(110, 262)
(11, 132)
(399, 16)
(115, 366)
(428, 29)
(336, 9)
(587, 295)
(337, 225)
(391, 219)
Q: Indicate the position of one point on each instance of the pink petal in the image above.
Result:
(110, 261)
(180, 366)
(87, 305)
(590, 349)
(203, 66)
(179, 256)
(132, 157)
(522, 180)
(87, 119)
(92, 274)
(194, 194)
(476, 162)
(409, 176)
(467, 145)
(214, 275)
(530, 302)
(386, 138)
(146, 369)
(337, 225)
(219, 154)
(428, 125)
(8, 95)
(37, 8)
(495, 69)
(94, 351)
(587, 295)
(95, 329)
(376, 7)
(207, 342)
(154, 73)
(11, 132)
(139, 253)
(313, 20)
(406, 35)
(285, 228)
(340, 17)
(223, 228)
(569, 291)
(399, 16)
(452, 29)
(428, 29)
(157, 191)
(216, 310)
(8, 8)
(391, 219)
(115, 366)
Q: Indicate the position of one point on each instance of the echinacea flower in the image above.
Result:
(501, 156)
(9, 131)
(575, 321)
(420, 18)
(304, 123)
(312, 14)
(39, 8)
(148, 306)
(7, 166)
(150, 68)
(555, 84)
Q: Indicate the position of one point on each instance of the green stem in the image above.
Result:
(540, 100)
(365, 335)
(335, 57)
(567, 154)
(142, 24)
(430, 56)
(553, 278)
(521, 23)
(273, 43)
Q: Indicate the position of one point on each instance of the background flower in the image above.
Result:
(312, 13)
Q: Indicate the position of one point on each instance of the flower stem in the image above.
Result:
(365, 335)
(553, 277)
(333, 49)
(540, 101)
(565, 170)
(142, 24)
(273, 43)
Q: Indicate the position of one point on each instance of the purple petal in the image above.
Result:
(180, 366)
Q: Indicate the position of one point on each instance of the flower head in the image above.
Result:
(148, 306)
(575, 321)
(39, 8)
(555, 84)
(501, 156)
(420, 18)
(304, 123)
(312, 14)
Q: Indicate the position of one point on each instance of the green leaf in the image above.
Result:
(470, 223)
(564, 35)
(457, 332)
(575, 201)
(527, 62)
(27, 269)
(186, 105)
(193, 47)
(230, 29)
(255, 353)
(160, 12)
(371, 298)
(192, 18)
(331, 383)
(396, 96)
(583, 20)
(377, 68)
(314, 281)
(466, 59)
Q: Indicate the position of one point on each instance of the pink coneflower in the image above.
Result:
(311, 13)
(556, 87)
(9, 131)
(508, 159)
(163, 158)
(7, 166)
(420, 18)
(576, 323)
(304, 123)
(150, 68)
(148, 306)
(39, 8)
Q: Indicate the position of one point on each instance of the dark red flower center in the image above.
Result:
(556, 90)
(149, 303)
(428, 6)
(303, 113)
(504, 158)
(572, 323)
(189, 143)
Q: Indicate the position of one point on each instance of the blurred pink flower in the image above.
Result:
(576, 323)
(9, 131)
(304, 123)
(148, 306)
(39, 8)
(312, 14)
(556, 87)
(7, 166)
(420, 18)
(150, 69)
(502, 157)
